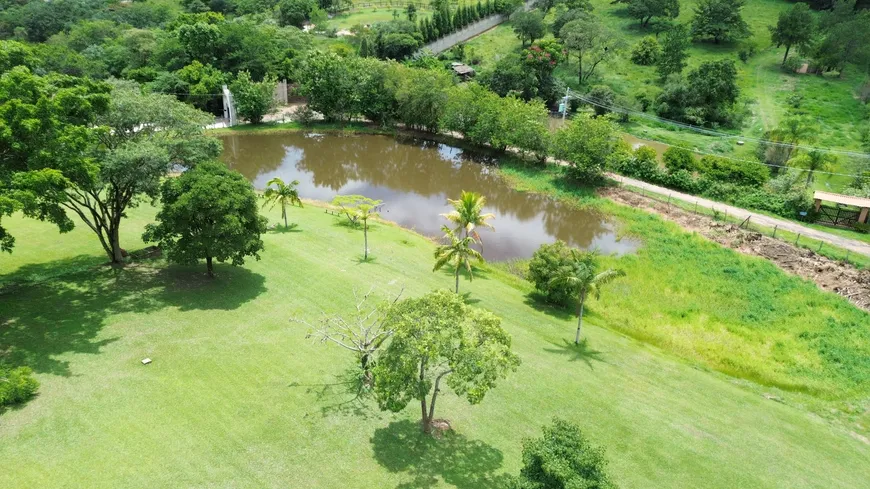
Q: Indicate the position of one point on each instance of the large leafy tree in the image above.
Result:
(675, 41)
(279, 192)
(115, 161)
(586, 144)
(438, 338)
(646, 10)
(47, 129)
(795, 27)
(844, 39)
(562, 458)
(209, 212)
(528, 25)
(719, 20)
(592, 42)
(458, 252)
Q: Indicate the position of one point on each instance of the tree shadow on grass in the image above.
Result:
(281, 229)
(190, 288)
(577, 353)
(536, 301)
(41, 272)
(453, 458)
(41, 322)
(347, 396)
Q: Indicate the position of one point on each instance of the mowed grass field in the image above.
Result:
(832, 101)
(237, 397)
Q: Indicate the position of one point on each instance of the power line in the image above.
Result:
(710, 132)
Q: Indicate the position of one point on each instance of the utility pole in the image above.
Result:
(565, 103)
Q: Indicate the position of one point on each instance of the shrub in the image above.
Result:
(16, 385)
(254, 100)
(603, 95)
(545, 265)
(644, 99)
(646, 52)
(562, 458)
(304, 114)
(733, 171)
(683, 180)
(679, 159)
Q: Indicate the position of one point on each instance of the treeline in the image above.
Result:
(427, 99)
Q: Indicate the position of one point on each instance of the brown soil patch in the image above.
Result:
(828, 274)
(439, 427)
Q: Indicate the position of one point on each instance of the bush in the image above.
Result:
(683, 180)
(603, 95)
(304, 115)
(562, 458)
(545, 265)
(16, 385)
(733, 171)
(253, 99)
(646, 52)
(679, 159)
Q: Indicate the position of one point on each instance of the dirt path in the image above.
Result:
(828, 274)
(846, 243)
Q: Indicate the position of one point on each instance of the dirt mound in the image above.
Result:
(830, 275)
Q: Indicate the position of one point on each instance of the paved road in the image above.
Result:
(846, 243)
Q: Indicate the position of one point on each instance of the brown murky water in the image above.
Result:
(414, 178)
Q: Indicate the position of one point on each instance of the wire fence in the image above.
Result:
(798, 240)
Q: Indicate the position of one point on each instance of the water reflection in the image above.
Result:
(414, 178)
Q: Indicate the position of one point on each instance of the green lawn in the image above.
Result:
(765, 87)
(365, 16)
(237, 397)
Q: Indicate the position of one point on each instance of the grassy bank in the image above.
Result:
(237, 397)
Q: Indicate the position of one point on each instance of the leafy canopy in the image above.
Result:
(562, 458)
(209, 212)
(438, 336)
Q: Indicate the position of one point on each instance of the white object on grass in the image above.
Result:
(146, 361)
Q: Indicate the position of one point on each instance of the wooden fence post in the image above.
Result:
(774, 230)
(797, 239)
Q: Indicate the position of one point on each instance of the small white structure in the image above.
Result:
(146, 361)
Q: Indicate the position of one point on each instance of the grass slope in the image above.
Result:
(236, 397)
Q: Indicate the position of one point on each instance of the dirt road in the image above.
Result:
(845, 243)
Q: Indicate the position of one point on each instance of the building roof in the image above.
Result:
(462, 69)
(842, 199)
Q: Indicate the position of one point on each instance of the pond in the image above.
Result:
(414, 178)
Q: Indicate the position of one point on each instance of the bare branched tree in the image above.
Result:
(363, 331)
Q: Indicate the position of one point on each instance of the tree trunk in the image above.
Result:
(787, 49)
(457, 278)
(284, 214)
(809, 178)
(366, 237)
(580, 320)
(426, 422)
(115, 243)
(210, 266)
(579, 70)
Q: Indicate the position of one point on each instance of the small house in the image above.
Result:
(463, 71)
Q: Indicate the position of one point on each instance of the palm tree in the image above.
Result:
(458, 253)
(467, 215)
(582, 275)
(813, 161)
(283, 193)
